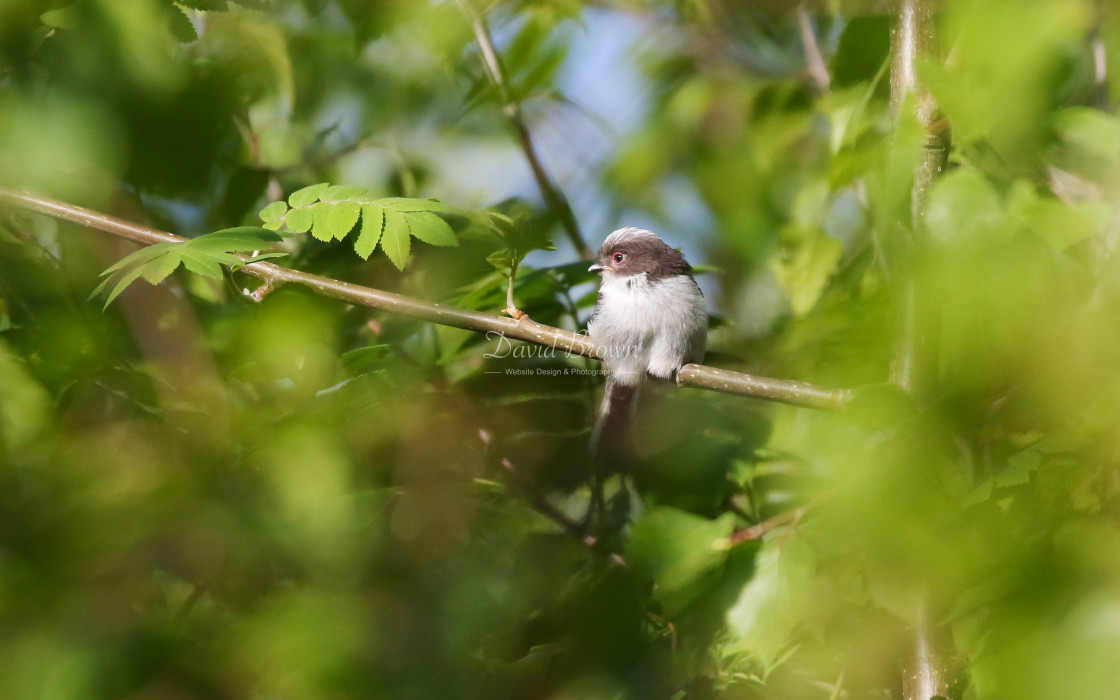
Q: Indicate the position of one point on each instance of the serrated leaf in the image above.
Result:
(307, 195)
(431, 229)
(273, 225)
(299, 220)
(502, 259)
(373, 220)
(240, 239)
(338, 193)
(158, 270)
(126, 279)
(274, 212)
(321, 228)
(500, 223)
(406, 204)
(201, 264)
(180, 25)
(140, 257)
(203, 255)
(395, 238)
(342, 218)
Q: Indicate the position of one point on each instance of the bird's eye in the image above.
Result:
(619, 258)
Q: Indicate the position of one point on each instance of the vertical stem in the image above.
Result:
(929, 666)
(551, 192)
(913, 35)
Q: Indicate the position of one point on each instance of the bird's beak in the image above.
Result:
(596, 268)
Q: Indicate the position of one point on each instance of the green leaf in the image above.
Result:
(299, 220)
(406, 204)
(25, 405)
(307, 195)
(676, 549)
(203, 255)
(363, 360)
(274, 212)
(157, 270)
(431, 229)
(862, 50)
(62, 18)
(141, 256)
(241, 239)
(125, 279)
(1092, 130)
(180, 25)
(805, 265)
(201, 264)
(503, 260)
(771, 606)
(321, 229)
(1062, 225)
(338, 193)
(395, 238)
(342, 218)
(965, 208)
(373, 221)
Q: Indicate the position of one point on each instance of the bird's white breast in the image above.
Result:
(648, 326)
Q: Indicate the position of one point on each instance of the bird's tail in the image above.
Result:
(612, 438)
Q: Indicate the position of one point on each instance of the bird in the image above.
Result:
(650, 319)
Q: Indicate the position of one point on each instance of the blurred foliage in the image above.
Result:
(206, 497)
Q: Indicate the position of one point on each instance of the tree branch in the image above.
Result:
(697, 376)
(551, 192)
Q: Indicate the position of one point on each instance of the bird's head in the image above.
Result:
(635, 251)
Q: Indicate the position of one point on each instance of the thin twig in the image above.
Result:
(816, 67)
(497, 328)
(757, 531)
(551, 192)
(542, 505)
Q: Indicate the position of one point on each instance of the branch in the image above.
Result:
(525, 329)
(538, 502)
(551, 192)
(755, 532)
(817, 69)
